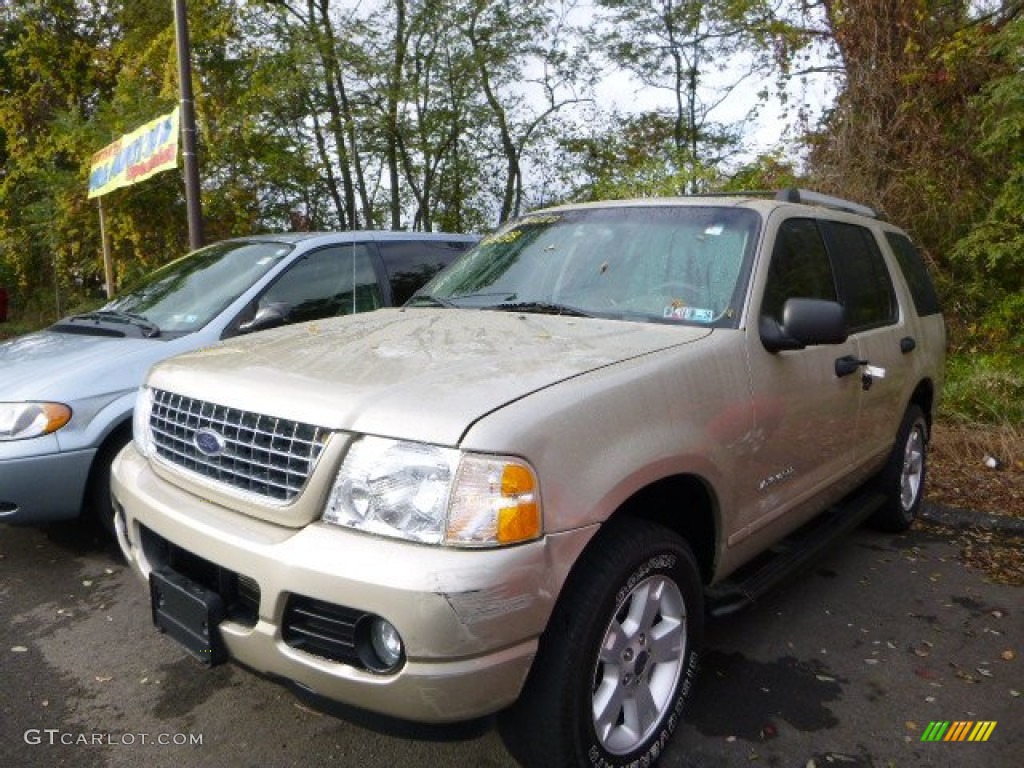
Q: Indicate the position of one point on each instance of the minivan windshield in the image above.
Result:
(186, 294)
(676, 264)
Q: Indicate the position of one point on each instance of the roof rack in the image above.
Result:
(806, 196)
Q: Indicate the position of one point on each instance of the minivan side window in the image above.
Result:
(865, 286)
(800, 268)
(339, 280)
(926, 301)
(410, 263)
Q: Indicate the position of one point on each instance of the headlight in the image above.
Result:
(140, 421)
(20, 421)
(434, 495)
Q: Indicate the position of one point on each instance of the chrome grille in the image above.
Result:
(260, 454)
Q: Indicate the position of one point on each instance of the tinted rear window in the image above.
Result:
(865, 285)
(411, 263)
(926, 301)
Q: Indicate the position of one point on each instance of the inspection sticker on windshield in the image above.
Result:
(693, 314)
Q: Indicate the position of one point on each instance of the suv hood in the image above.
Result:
(419, 374)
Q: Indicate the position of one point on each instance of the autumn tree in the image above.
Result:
(697, 52)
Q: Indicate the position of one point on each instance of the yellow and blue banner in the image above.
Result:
(136, 156)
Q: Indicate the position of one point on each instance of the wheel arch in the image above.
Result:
(685, 504)
(117, 435)
(924, 396)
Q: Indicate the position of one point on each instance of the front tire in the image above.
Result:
(618, 658)
(98, 492)
(902, 480)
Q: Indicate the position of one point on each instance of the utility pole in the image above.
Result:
(188, 127)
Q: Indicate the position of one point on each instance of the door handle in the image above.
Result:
(848, 364)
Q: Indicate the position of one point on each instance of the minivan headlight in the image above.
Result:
(20, 421)
(434, 495)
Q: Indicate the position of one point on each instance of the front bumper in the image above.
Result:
(43, 486)
(469, 619)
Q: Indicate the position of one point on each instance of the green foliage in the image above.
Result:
(767, 171)
(984, 388)
(989, 259)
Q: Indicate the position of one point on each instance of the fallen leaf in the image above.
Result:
(930, 699)
(103, 679)
(825, 678)
(86, 582)
(910, 725)
(19, 649)
(1007, 655)
(926, 673)
(1015, 693)
(923, 649)
(984, 672)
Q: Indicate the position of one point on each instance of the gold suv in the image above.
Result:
(523, 491)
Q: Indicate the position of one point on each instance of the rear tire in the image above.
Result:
(618, 658)
(902, 480)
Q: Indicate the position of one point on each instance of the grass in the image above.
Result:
(985, 389)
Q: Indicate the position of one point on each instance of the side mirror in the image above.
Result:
(805, 323)
(270, 316)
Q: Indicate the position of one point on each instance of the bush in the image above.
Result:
(984, 388)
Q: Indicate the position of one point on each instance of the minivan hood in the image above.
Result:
(61, 366)
(419, 374)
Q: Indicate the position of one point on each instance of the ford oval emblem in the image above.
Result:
(209, 443)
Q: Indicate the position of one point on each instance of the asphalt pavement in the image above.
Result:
(847, 664)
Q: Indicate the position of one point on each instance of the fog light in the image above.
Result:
(386, 642)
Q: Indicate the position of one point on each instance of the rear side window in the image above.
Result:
(411, 263)
(338, 280)
(926, 301)
(865, 285)
(800, 268)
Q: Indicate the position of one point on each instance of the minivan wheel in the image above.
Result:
(902, 480)
(618, 658)
(98, 494)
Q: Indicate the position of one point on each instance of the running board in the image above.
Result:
(789, 555)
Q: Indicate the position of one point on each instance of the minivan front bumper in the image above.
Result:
(469, 619)
(42, 487)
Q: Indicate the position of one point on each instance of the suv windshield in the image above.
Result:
(186, 294)
(679, 264)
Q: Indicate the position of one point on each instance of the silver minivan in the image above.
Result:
(67, 392)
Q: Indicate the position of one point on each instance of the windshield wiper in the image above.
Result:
(457, 300)
(425, 299)
(542, 308)
(149, 328)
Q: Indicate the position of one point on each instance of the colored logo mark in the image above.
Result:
(958, 730)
